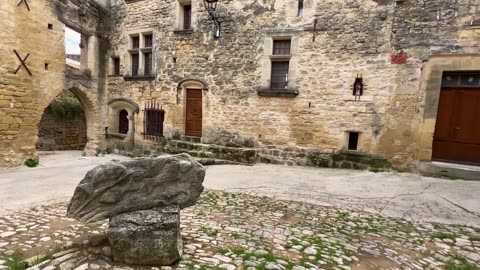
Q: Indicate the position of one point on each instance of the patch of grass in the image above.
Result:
(208, 231)
(32, 162)
(223, 250)
(459, 262)
(236, 235)
(474, 238)
(16, 261)
(443, 236)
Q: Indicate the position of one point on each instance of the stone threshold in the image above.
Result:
(449, 170)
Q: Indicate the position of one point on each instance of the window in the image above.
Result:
(300, 8)
(116, 65)
(187, 17)
(135, 64)
(279, 80)
(281, 47)
(148, 41)
(135, 42)
(141, 55)
(153, 121)
(123, 122)
(353, 140)
(148, 64)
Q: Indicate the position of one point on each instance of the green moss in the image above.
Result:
(442, 236)
(379, 164)
(474, 238)
(459, 263)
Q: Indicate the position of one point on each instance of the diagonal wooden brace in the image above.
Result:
(22, 63)
(26, 4)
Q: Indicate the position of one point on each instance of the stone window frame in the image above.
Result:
(141, 51)
(268, 58)
(180, 16)
(112, 72)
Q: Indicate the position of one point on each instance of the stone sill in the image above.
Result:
(351, 98)
(117, 135)
(269, 93)
(115, 76)
(280, 57)
(181, 31)
(138, 78)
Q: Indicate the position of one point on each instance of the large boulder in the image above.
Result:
(146, 237)
(115, 188)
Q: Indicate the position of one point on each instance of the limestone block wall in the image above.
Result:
(59, 134)
(352, 38)
(38, 33)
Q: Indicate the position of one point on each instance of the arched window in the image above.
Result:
(123, 122)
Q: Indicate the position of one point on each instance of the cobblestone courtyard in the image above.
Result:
(239, 231)
(328, 219)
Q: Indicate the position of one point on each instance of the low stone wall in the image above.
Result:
(56, 134)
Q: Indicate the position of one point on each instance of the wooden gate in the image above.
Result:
(193, 121)
(457, 131)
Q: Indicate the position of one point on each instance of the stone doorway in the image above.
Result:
(63, 125)
(457, 136)
(193, 117)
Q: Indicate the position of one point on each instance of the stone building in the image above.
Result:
(338, 83)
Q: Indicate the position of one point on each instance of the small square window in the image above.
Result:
(148, 40)
(353, 140)
(50, 26)
(281, 47)
(135, 42)
(46, 66)
(116, 66)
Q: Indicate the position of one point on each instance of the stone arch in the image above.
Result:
(193, 83)
(115, 106)
(431, 82)
(85, 92)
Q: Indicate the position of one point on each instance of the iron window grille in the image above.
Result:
(148, 41)
(116, 66)
(135, 64)
(153, 118)
(279, 80)
(148, 64)
(135, 42)
(187, 17)
(281, 47)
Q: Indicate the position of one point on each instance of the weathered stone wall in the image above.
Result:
(23, 98)
(353, 37)
(61, 134)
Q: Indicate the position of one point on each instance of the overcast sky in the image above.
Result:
(72, 41)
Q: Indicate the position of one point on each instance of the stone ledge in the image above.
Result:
(268, 93)
(182, 31)
(138, 78)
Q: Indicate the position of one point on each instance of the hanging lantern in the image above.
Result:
(211, 7)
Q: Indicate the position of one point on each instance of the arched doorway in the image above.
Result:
(123, 122)
(63, 125)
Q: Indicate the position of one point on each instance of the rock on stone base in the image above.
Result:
(146, 237)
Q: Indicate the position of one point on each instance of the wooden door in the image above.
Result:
(123, 122)
(193, 123)
(457, 132)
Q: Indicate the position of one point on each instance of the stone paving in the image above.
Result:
(239, 231)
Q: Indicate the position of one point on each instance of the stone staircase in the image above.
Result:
(209, 154)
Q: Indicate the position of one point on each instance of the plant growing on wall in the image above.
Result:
(32, 162)
(66, 107)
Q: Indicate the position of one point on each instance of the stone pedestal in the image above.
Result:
(146, 237)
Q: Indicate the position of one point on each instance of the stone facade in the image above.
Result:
(61, 134)
(38, 31)
(399, 47)
(351, 38)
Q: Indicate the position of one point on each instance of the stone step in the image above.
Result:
(191, 139)
(239, 155)
(449, 170)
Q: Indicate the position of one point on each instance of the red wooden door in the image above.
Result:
(193, 123)
(457, 132)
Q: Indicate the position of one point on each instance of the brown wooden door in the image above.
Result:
(457, 132)
(193, 125)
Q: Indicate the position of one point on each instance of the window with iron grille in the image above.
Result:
(300, 8)
(281, 47)
(187, 17)
(279, 79)
(148, 40)
(154, 116)
(116, 66)
(136, 42)
(148, 64)
(135, 64)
